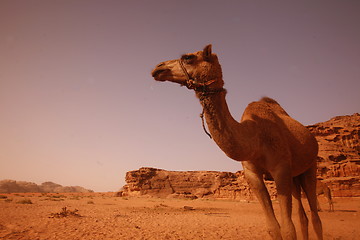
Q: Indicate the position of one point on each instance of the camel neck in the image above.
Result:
(229, 134)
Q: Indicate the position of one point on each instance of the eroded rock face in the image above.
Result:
(190, 184)
(339, 140)
(339, 154)
(338, 167)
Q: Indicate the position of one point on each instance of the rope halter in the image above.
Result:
(202, 87)
(192, 83)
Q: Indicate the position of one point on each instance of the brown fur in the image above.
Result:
(266, 140)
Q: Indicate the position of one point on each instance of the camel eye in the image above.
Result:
(188, 57)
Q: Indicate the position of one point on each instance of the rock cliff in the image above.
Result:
(11, 186)
(339, 154)
(338, 167)
(190, 184)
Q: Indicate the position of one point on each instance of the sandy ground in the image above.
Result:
(103, 216)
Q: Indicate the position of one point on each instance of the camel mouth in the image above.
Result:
(158, 75)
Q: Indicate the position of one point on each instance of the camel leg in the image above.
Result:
(304, 222)
(331, 204)
(308, 183)
(257, 185)
(283, 181)
(327, 193)
(318, 204)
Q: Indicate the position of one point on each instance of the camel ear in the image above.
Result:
(207, 53)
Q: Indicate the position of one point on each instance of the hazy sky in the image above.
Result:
(79, 106)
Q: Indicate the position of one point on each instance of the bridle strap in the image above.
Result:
(185, 72)
(198, 86)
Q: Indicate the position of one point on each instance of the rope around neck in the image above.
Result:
(203, 88)
(203, 123)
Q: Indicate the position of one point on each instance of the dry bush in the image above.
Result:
(25, 201)
(65, 213)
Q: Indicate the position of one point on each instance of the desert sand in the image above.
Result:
(103, 216)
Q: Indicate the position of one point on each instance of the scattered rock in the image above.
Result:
(188, 208)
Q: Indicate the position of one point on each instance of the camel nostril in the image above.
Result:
(155, 73)
(160, 65)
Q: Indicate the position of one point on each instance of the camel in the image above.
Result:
(266, 141)
(322, 188)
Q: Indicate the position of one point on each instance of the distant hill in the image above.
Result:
(12, 186)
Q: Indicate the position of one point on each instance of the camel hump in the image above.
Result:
(275, 106)
(269, 100)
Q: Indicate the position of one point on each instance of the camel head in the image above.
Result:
(194, 70)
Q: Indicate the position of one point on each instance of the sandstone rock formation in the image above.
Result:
(339, 154)
(338, 167)
(190, 184)
(11, 186)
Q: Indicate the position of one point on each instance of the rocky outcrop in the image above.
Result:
(190, 184)
(339, 141)
(338, 167)
(339, 154)
(11, 186)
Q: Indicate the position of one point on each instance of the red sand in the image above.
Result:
(103, 216)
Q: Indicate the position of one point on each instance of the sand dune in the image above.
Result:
(103, 216)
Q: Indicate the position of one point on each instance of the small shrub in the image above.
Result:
(90, 202)
(25, 201)
(3, 197)
(65, 213)
(55, 199)
(58, 196)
